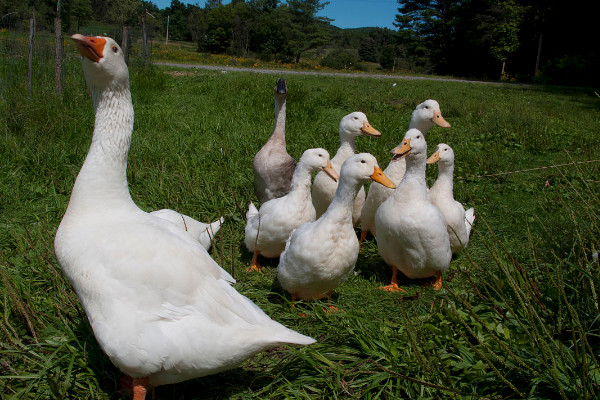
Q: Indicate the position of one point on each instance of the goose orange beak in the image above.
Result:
(367, 129)
(439, 120)
(328, 169)
(435, 157)
(379, 177)
(90, 47)
(402, 150)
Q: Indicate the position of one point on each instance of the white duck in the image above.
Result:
(273, 167)
(320, 255)
(351, 126)
(441, 195)
(203, 233)
(269, 228)
(160, 307)
(424, 117)
(411, 232)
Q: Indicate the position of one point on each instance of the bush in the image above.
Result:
(342, 59)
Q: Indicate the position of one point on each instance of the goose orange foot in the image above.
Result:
(436, 283)
(392, 287)
(254, 267)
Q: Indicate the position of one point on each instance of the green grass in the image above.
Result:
(519, 319)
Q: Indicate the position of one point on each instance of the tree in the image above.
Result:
(368, 49)
(305, 26)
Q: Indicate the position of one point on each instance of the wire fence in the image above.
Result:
(28, 51)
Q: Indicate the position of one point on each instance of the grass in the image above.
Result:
(518, 316)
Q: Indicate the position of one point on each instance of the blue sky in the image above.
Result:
(346, 13)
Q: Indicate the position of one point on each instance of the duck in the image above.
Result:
(319, 256)
(441, 195)
(411, 232)
(203, 233)
(161, 309)
(273, 167)
(323, 191)
(268, 228)
(424, 117)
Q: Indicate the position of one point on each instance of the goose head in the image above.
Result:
(356, 124)
(443, 154)
(427, 114)
(363, 167)
(316, 159)
(413, 145)
(103, 62)
(280, 87)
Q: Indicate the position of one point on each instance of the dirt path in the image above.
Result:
(300, 72)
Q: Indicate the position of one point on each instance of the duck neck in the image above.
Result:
(444, 182)
(423, 125)
(413, 184)
(301, 181)
(340, 209)
(103, 177)
(346, 150)
(278, 134)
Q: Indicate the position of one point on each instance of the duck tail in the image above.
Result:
(252, 212)
(214, 227)
(469, 220)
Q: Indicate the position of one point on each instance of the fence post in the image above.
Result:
(125, 43)
(58, 51)
(30, 64)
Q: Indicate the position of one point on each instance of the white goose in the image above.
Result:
(351, 126)
(411, 232)
(273, 167)
(424, 117)
(203, 233)
(320, 255)
(269, 228)
(441, 195)
(161, 309)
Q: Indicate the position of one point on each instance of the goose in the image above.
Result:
(441, 195)
(160, 307)
(424, 117)
(411, 232)
(268, 229)
(320, 255)
(351, 126)
(203, 233)
(273, 167)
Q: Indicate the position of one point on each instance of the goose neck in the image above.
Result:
(103, 177)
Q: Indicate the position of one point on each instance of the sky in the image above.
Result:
(345, 13)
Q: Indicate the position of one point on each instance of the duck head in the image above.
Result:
(318, 158)
(356, 124)
(427, 114)
(363, 167)
(443, 154)
(413, 144)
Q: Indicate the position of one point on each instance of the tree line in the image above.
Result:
(525, 40)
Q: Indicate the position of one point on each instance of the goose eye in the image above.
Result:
(115, 49)
(445, 149)
(363, 161)
(320, 155)
(418, 136)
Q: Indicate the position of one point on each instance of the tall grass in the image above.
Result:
(518, 316)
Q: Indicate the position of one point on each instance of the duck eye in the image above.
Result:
(418, 136)
(363, 161)
(115, 49)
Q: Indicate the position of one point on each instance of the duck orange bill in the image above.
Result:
(367, 129)
(379, 177)
(435, 157)
(402, 150)
(90, 47)
(328, 169)
(439, 120)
